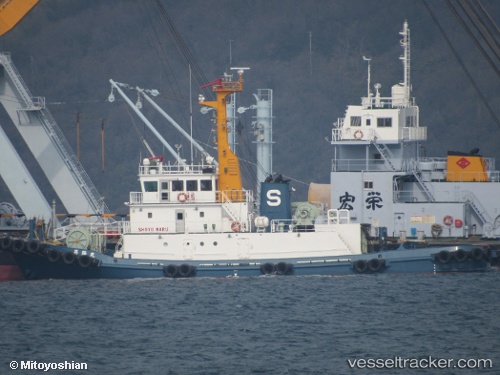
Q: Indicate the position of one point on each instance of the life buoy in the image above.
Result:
(448, 220)
(236, 226)
(182, 197)
(358, 134)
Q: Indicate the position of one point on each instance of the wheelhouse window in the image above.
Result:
(368, 185)
(164, 190)
(355, 120)
(178, 185)
(150, 186)
(192, 185)
(206, 185)
(384, 122)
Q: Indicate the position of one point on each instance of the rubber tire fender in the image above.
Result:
(444, 256)
(460, 255)
(186, 270)
(171, 271)
(267, 268)
(33, 247)
(69, 257)
(5, 243)
(283, 268)
(376, 264)
(18, 245)
(360, 266)
(53, 255)
(84, 261)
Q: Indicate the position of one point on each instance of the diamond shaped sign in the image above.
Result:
(463, 163)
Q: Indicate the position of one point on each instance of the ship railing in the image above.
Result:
(359, 165)
(444, 195)
(358, 134)
(186, 197)
(289, 225)
(413, 133)
(175, 169)
(386, 102)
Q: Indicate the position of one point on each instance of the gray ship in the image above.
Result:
(380, 175)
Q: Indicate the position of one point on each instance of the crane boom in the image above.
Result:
(12, 11)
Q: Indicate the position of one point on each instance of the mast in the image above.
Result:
(229, 168)
(405, 43)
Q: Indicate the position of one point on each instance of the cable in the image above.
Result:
(493, 115)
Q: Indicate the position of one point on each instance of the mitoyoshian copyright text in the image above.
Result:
(420, 363)
(47, 366)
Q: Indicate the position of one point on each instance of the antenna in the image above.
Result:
(240, 69)
(405, 43)
(368, 59)
(191, 114)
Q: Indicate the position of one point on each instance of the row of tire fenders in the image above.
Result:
(35, 247)
(460, 256)
(188, 270)
(444, 257)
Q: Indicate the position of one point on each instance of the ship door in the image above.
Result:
(399, 223)
(180, 221)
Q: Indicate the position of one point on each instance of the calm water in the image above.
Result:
(265, 325)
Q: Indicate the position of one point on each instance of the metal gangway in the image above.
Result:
(47, 144)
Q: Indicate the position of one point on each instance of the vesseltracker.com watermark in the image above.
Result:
(420, 363)
(47, 366)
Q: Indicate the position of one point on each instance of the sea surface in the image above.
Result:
(261, 325)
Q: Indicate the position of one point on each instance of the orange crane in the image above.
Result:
(12, 11)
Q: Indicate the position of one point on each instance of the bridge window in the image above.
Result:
(368, 185)
(178, 185)
(384, 122)
(355, 120)
(150, 186)
(192, 185)
(206, 185)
